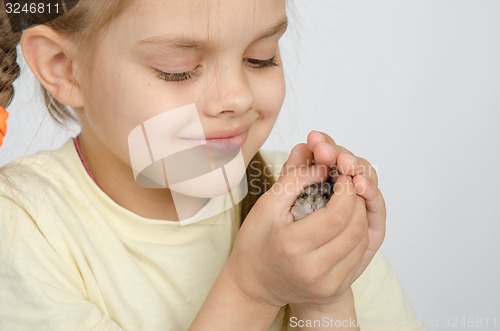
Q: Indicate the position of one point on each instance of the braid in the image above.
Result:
(9, 69)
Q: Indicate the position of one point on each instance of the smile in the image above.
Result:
(222, 142)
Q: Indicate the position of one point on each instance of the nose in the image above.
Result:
(228, 91)
(314, 207)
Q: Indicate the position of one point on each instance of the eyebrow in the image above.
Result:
(166, 41)
(278, 28)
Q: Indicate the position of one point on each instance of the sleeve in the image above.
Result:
(380, 301)
(38, 291)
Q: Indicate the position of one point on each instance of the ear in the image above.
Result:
(51, 57)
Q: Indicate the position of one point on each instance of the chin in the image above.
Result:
(229, 176)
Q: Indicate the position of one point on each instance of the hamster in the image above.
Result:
(313, 197)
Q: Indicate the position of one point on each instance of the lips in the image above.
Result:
(228, 144)
(222, 141)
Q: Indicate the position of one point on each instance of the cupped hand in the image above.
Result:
(278, 261)
(322, 149)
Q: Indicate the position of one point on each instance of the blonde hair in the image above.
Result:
(84, 25)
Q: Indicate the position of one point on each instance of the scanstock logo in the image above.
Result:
(24, 14)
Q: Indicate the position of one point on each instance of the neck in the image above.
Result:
(116, 179)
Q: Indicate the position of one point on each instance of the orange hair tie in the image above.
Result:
(4, 114)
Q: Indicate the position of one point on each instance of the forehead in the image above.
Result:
(216, 20)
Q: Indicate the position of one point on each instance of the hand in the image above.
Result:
(323, 150)
(276, 261)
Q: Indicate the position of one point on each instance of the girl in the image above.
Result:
(85, 246)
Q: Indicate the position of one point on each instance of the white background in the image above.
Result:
(414, 87)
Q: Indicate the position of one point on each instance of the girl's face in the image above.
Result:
(221, 55)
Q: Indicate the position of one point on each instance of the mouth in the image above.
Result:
(222, 141)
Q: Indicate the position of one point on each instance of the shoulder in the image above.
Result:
(37, 203)
(36, 174)
(38, 189)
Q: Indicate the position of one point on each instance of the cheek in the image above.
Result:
(268, 99)
(111, 104)
(269, 95)
(121, 96)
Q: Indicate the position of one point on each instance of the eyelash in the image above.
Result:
(184, 76)
(176, 77)
(261, 64)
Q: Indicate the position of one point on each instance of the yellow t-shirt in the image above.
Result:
(73, 259)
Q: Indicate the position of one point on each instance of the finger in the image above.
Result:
(327, 152)
(353, 265)
(324, 148)
(367, 169)
(314, 137)
(376, 215)
(364, 188)
(299, 156)
(349, 236)
(375, 204)
(352, 241)
(352, 165)
(340, 264)
(347, 164)
(324, 224)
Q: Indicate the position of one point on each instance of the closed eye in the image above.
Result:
(178, 76)
(261, 64)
